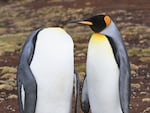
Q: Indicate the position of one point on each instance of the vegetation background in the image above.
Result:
(18, 18)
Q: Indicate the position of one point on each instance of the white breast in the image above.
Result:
(102, 77)
(53, 68)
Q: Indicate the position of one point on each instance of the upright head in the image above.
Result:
(97, 23)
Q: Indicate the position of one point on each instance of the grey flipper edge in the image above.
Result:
(25, 77)
(77, 90)
(85, 106)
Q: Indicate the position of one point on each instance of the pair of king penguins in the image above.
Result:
(46, 73)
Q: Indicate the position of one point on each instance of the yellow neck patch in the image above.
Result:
(100, 42)
(98, 38)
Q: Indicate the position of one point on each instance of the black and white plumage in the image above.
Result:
(106, 87)
(46, 73)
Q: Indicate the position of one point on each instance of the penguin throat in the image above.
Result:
(98, 35)
(97, 38)
(96, 28)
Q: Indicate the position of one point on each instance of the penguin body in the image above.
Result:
(102, 76)
(46, 72)
(106, 87)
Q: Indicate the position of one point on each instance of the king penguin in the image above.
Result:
(106, 87)
(46, 74)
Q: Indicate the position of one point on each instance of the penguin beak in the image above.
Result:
(84, 22)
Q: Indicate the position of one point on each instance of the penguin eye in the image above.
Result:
(107, 20)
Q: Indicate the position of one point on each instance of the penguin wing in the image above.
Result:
(25, 77)
(85, 106)
(77, 89)
(121, 57)
(124, 80)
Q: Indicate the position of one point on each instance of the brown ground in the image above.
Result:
(140, 97)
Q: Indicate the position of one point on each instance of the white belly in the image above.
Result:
(53, 68)
(102, 78)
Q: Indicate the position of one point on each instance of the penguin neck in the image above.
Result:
(112, 31)
(98, 38)
(100, 47)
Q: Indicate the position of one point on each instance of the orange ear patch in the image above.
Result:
(107, 20)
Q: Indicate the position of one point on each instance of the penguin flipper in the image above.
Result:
(122, 60)
(19, 84)
(85, 106)
(25, 77)
(77, 89)
(124, 82)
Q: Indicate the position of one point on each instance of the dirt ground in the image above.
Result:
(136, 14)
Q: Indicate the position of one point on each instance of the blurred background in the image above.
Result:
(18, 18)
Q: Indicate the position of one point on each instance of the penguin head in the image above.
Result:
(97, 23)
